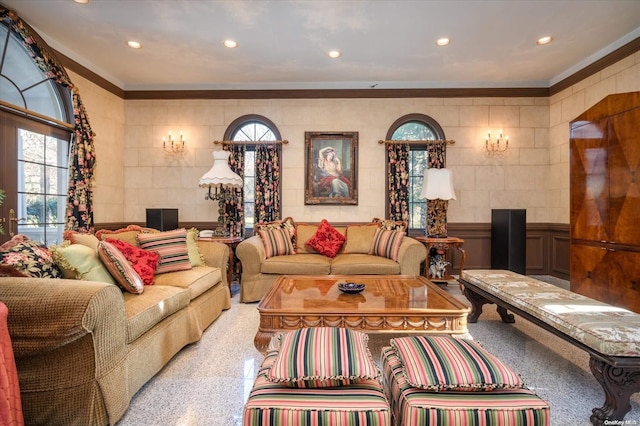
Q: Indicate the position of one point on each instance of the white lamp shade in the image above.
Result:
(437, 185)
(220, 173)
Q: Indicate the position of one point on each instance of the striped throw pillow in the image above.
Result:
(277, 241)
(120, 268)
(322, 357)
(386, 243)
(444, 363)
(172, 248)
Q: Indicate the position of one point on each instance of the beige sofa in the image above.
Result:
(260, 272)
(83, 348)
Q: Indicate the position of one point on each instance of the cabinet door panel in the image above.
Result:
(589, 181)
(624, 279)
(624, 158)
(588, 271)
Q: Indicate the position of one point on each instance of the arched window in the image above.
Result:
(412, 127)
(257, 131)
(36, 117)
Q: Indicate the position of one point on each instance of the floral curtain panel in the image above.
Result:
(398, 175)
(82, 161)
(232, 204)
(267, 187)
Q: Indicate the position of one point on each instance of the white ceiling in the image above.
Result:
(283, 44)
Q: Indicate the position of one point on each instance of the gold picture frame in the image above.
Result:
(331, 168)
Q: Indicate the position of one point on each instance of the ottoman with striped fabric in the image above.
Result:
(412, 405)
(273, 403)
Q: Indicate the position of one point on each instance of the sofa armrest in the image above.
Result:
(251, 253)
(215, 254)
(46, 314)
(411, 254)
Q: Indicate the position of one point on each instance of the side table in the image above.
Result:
(234, 267)
(437, 248)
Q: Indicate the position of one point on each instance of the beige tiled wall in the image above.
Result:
(134, 173)
(106, 116)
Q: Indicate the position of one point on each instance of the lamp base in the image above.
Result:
(437, 218)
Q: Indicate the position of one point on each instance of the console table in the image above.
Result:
(440, 246)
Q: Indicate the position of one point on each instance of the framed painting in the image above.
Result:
(331, 168)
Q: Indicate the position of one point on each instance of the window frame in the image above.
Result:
(435, 128)
(235, 126)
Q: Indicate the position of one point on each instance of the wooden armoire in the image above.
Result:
(605, 201)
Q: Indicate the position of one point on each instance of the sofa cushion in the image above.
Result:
(120, 268)
(127, 234)
(386, 243)
(359, 238)
(304, 231)
(195, 280)
(298, 264)
(445, 363)
(86, 239)
(277, 242)
(80, 262)
(31, 258)
(172, 248)
(146, 310)
(321, 357)
(365, 264)
(327, 240)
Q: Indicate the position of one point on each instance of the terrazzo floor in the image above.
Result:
(207, 383)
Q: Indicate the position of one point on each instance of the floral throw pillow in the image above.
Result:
(327, 240)
(144, 262)
(31, 258)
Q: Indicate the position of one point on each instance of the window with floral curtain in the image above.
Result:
(406, 164)
(79, 211)
(262, 158)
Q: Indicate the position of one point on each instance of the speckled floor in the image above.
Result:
(208, 382)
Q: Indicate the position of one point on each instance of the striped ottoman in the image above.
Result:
(272, 403)
(416, 406)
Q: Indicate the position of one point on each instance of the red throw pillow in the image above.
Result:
(327, 240)
(143, 262)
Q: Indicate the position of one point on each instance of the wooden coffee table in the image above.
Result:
(389, 303)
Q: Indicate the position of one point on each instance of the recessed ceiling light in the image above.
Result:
(334, 54)
(443, 41)
(230, 43)
(82, 1)
(134, 44)
(544, 40)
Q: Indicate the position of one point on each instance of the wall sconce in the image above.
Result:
(496, 146)
(173, 147)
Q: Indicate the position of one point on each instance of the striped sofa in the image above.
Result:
(610, 334)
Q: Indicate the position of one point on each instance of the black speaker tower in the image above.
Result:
(509, 240)
(162, 219)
